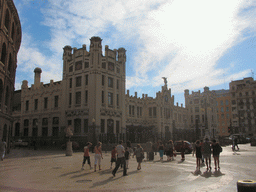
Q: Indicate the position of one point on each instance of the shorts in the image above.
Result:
(97, 159)
(113, 160)
(139, 159)
(88, 160)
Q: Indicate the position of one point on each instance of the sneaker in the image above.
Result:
(82, 168)
(125, 175)
(113, 174)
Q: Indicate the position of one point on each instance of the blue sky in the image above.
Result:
(193, 43)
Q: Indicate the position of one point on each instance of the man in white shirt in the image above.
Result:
(120, 159)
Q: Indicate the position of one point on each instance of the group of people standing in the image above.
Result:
(203, 151)
(119, 155)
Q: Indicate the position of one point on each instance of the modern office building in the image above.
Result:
(10, 39)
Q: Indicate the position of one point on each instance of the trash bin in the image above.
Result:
(246, 185)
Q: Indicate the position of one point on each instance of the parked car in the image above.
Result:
(188, 146)
(75, 145)
(241, 139)
(253, 141)
(20, 143)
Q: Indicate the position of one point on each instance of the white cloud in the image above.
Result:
(178, 39)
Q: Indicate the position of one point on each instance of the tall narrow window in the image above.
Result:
(55, 126)
(78, 98)
(117, 127)
(86, 126)
(110, 98)
(36, 104)
(45, 102)
(27, 105)
(70, 98)
(110, 82)
(70, 83)
(102, 125)
(86, 79)
(117, 100)
(78, 81)
(86, 96)
(117, 84)
(102, 97)
(56, 101)
(77, 126)
(45, 127)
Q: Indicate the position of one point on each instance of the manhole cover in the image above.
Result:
(83, 181)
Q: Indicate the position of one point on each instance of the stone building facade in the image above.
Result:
(151, 119)
(243, 103)
(202, 113)
(10, 39)
(90, 98)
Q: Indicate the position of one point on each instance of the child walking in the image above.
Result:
(113, 156)
(87, 155)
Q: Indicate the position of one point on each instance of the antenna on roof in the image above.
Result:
(252, 73)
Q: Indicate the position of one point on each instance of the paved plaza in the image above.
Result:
(41, 170)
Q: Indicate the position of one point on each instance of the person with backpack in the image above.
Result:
(216, 150)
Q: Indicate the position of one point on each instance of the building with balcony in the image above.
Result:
(243, 103)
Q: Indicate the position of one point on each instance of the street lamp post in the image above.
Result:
(94, 132)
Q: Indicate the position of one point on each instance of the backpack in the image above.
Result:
(220, 148)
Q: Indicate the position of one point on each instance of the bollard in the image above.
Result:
(246, 185)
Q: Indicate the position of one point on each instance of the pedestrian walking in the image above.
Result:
(182, 151)
(201, 143)
(127, 156)
(87, 155)
(193, 148)
(113, 156)
(98, 156)
(161, 150)
(130, 150)
(148, 149)
(206, 151)
(139, 153)
(216, 150)
(169, 150)
(120, 159)
(2, 149)
(235, 144)
(198, 154)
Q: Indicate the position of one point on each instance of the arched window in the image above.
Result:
(13, 31)
(3, 55)
(17, 130)
(1, 91)
(7, 96)
(7, 19)
(10, 63)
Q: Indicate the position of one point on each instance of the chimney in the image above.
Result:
(37, 78)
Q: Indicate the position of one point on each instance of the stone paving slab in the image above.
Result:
(29, 170)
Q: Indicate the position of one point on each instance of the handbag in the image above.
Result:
(142, 155)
